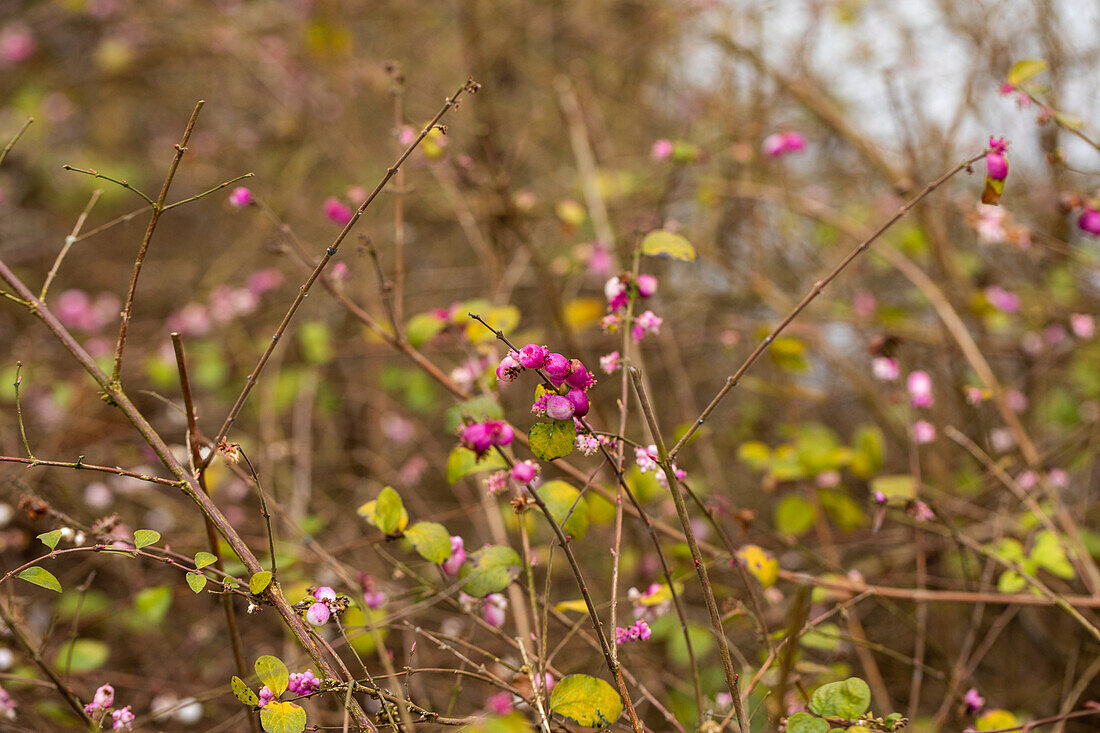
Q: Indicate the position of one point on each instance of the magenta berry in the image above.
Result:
(647, 286)
(559, 408)
(996, 166)
(1089, 221)
(501, 432)
(525, 472)
(508, 370)
(477, 438)
(558, 368)
(579, 400)
(241, 196)
(458, 556)
(318, 614)
(533, 356)
(580, 378)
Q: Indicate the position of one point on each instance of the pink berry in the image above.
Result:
(533, 356)
(996, 166)
(661, 150)
(324, 593)
(579, 401)
(647, 285)
(458, 556)
(318, 614)
(477, 438)
(579, 378)
(508, 370)
(502, 433)
(558, 368)
(337, 211)
(525, 472)
(559, 408)
(241, 196)
(1089, 221)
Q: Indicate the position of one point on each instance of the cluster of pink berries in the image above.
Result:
(645, 603)
(326, 603)
(569, 376)
(479, 437)
(458, 556)
(102, 704)
(619, 291)
(647, 461)
(638, 631)
(303, 683)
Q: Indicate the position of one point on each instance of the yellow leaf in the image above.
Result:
(758, 562)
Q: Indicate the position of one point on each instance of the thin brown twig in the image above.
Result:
(663, 458)
(158, 209)
(14, 140)
(69, 242)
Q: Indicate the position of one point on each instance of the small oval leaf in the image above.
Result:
(146, 537)
(567, 507)
(258, 583)
(50, 539)
(806, 723)
(283, 717)
(489, 570)
(82, 655)
(41, 577)
(667, 244)
(243, 692)
(202, 559)
(196, 581)
(273, 673)
(550, 440)
(431, 541)
(589, 701)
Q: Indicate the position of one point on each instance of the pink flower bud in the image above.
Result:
(324, 593)
(1089, 221)
(919, 385)
(508, 370)
(559, 408)
(647, 286)
(661, 150)
(579, 401)
(104, 697)
(241, 196)
(458, 556)
(923, 432)
(558, 368)
(318, 614)
(533, 356)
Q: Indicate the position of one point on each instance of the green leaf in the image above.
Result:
(868, 448)
(422, 328)
(664, 243)
(513, 722)
(388, 512)
(996, 720)
(501, 318)
(462, 462)
(1011, 582)
(1025, 70)
(41, 577)
(258, 583)
(588, 700)
(273, 673)
(842, 509)
(146, 537)
(283, 717)
(550, 440)
(152, 604)
(313, 337)
(196, 581)
(1068, 121)
(369, 512)
(202, 559)
(87, 655)
(489, 570)
(1049, 554)
(50, 539)
(431, 541)
(243, 692)
(794, 515)
(567, 507)
(754, 453)
(806, 723)
(901, 486)
(847, 699)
